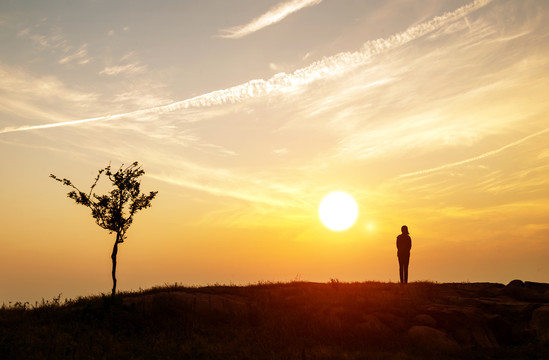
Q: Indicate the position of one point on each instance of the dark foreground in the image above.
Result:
(296, 320)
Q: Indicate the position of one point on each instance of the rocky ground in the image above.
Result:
(483, 316)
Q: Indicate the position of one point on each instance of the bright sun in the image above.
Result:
(338, 211)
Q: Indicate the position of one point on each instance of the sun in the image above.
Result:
(338, 211)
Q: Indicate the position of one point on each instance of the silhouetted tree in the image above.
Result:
(114, 211)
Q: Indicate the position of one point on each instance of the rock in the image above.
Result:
(517, 289)
(490, 290)
(517, 283)
(424, 319)
(540, 323)
(539, 287)
(468, 326)
(395, 323)
(371, 326)
(502, 329)
(483, 337)
(472, 329)
(430, 338)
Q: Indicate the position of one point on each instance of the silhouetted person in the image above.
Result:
(404, 244)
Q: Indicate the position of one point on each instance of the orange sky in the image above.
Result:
(431, 114)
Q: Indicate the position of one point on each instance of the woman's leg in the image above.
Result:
(406, 262)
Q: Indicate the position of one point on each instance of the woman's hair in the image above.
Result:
(404, 229)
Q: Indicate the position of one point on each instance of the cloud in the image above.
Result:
(283, 83)
(274, 15)
(274, 67)
(19, 83)
(281, 151)
(408, 107)
(475, 158)
(80, 55)
(238, 192)
(132, 68)
(57, 40)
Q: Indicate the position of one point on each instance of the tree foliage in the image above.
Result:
(114, 211)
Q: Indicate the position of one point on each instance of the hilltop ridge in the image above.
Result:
(297, 320)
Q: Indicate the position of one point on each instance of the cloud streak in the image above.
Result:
(274, 15)
(57, 40)
(132, 68)
(80, 56)
(284, 83)
(479, 157)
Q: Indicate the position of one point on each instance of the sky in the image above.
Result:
(244, 114)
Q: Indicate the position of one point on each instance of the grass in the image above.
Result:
(297, 320)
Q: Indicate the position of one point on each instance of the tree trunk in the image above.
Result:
(113, 257)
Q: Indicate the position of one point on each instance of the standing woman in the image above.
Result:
(404, 244)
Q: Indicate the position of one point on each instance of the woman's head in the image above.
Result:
(404, 229)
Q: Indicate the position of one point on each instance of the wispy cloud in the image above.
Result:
(126, 66)
(274, 15)
(282, 83)
(80, 56)
(18, 82)
(57, 40)
(475, 158)
(132, 68)
(54, 40)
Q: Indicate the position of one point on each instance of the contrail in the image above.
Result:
(274, 15)
(282, 82)
(65, 123)
(482, 156)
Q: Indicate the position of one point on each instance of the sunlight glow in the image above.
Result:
(338, 211)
